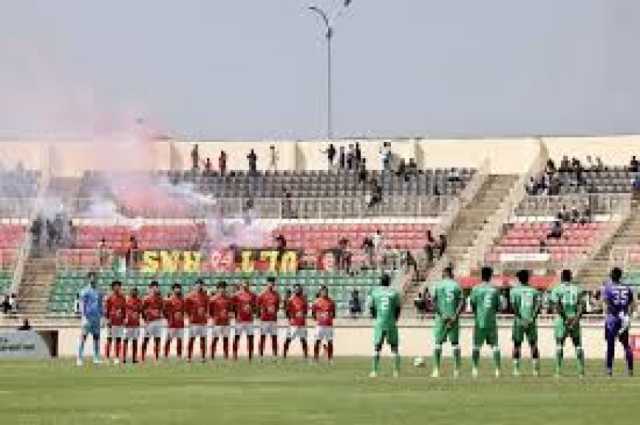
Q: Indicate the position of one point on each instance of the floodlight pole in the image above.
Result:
(328, 23)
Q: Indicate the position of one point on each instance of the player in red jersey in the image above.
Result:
(297, 313)
(115, 312)
(323, 311)
(220, 306)
(244, 305)
(268, 304)
(197, 308)
(152, 313)
(174, 312)
(132, 329)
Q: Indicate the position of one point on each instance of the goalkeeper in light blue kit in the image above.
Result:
(91, 299)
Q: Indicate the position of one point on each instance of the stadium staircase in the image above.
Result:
(39, 273)
(628, 234)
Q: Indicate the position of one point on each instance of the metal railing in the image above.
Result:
(549, 206)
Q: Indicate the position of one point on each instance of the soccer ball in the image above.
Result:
(418, 362)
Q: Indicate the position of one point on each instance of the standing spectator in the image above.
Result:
(362, 173)
(599, 164)
(331, 155)
(13, 302)
(51, 234)
(556, 230)
(565, 165)
(222, 163)
(355, 306)
(442, 245)
(378, 245)
(76, 305)
(207, 167)
(6, 305)
(36, 231)
(103, 253)
(385, 156)
(358, 154)
(351, 158)
(343, 255)
(274, 156)
(367, 246)
(531, 186)
(429, 246)
(634, 165)
(195, 157)
(72, 233)
(342, 159)
(253, 162)
(589, 164)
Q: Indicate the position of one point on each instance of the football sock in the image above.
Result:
(475, 357)
(81, 346)
(580, 358)
(437, 355)
(305, 348)
(118, 347)
(225, 347)
(261, 345)
(559, 358)
(274, 345)
(190, 348)
(376, 361)
(330, 350)
(107, 349)
(134, 349)
(396, 361)
(250, 347)
(167, 347)
(156, 348)
(203, 348)
(179, 347)
(214, 345)
(125, 348)
(610, 353)
(96, 348)
(145, 344)
(628, 354)
(496, 357)
(456, 357)
(316, 350)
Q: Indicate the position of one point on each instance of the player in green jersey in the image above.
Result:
(385, 305)
(526, 304)
(485, 302)
(448, 302)
(568, 301)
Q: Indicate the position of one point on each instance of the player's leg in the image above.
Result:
(316, 344)
(263, 339)
(156, 347)
(394, 341)
(214, 345)
(125, 348)
(134, 349)
(145, 344)
(167, 343)
(532, 339)
(117, 333)
(517, 335)
(107, 346)
(628, 351)
(439, 336)
(225, 346)
(203, 348)
(190, 343)
(560, 332)
(576, 338)
(236, 343)
(81, 341)
(330, 350)
(274, 341)
(378, 339)
(96, 347)
(478, 340)
(454, 337)
(492, 340)
(250, 346)
(179, 339)
(610, 336)
(287, 342)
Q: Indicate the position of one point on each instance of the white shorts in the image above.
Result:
(269, 328)
(175, 333)
(116, 332)
(243, 328)
(221, 331)
(132, 333)
(197, 331)
(154, 329)
(297, 332)
(324, 333)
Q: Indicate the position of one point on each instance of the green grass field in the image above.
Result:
(294, 392)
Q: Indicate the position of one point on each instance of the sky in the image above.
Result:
(256, 69)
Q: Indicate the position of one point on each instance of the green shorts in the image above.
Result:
(385, 333)
(562, 332)
(488, 335)
(520, 332)
(441, 333)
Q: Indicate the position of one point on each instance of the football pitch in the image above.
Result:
(294, 392)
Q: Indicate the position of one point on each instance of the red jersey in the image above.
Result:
(269, 303)
(116, 309)
(324, 310)
(219, 308)
(297, 310)
(152, 307)
(174, 312)
(197, 306)
(134, 311)
(244, 304)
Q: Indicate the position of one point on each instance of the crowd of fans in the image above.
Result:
(9, 304)
(52, 233)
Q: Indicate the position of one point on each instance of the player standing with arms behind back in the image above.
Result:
(385, 306)
(297, 309)
(485, 301)
(244, 304)
(132, 329)
(323, 311)
(568, 302)
(174, 312)
(619, 307)
(220, 306)
(526, 304)
(268, 304)
(197, 308)
(116, 311)
(152, 312)
(448, 302)
(91, 300)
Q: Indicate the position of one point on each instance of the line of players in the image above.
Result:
(132, 318)
(568, 300)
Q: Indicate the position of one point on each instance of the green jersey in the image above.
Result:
(485, 301)
(525, 300)
(447, 296)
(569, 295)
(386, 302)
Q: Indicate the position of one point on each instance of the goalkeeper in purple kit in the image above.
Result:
(619, 308)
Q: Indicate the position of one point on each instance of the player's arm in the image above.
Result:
(398, 307)
(515, 305)
(436, 307)
(372, 307)
(460, 307)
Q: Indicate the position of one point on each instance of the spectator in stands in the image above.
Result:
(207, 167)
(385, 156)
(343, 255)
(131, 258)
(331, 155)
(375, 196)
(575, 213)
(355, 306)
(599, 164)
(428, 301)
(378, 244)
(13, 302)
(351, 158)
(634, 165)
(358, 154)
(342, 159)
(72, 233)
(531, 187)
(103, 253)
(442, 245)
(36, 231)
(636, 186)
(51, 234)
(402, 168)
(6, 305)
(454, 175)
(26, 326)
(222, 163)
(550, 168)
(362, 172)
(195, 157)
(253, 162)
(556, 230)
(287, 205)
(274, 156)
(76, 305)
(429, 246)
(369, 251)
(564, 215)
(420, 306)
(585, 216)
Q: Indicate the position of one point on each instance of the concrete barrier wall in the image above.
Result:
(353, 338)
